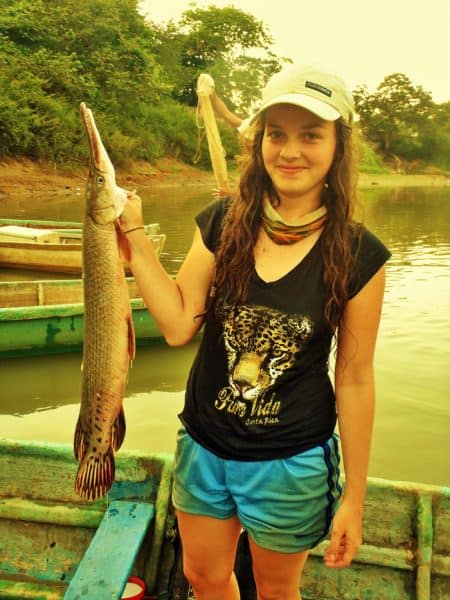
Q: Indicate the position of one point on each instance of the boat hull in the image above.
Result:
(45, 529)
(405, 553)
(59, 329)
(60, 253)
(53, 258)
(47, 317)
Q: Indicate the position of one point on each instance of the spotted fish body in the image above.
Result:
(108, 342)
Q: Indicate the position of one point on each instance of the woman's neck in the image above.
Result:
(293, 208)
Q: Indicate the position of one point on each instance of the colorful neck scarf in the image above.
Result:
(281, 232)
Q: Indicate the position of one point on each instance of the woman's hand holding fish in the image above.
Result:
(173, 302)
(131, 219)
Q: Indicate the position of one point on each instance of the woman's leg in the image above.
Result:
(209, 549)
(277, 574)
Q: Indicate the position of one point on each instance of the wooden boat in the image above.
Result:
(53, 246)
(46, 530)
(46, 317)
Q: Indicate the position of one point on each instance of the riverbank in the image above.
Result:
(24, 178)
(403, 180)
(19, 179)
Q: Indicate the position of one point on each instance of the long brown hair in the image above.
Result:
(235, 259)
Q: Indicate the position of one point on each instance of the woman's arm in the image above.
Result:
(174, 303)
(355, 398)
(222, 110)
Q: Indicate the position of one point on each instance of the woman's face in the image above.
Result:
(298, 150)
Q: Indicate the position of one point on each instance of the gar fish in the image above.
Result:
(108, 341)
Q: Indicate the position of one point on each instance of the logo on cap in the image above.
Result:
(318, 88)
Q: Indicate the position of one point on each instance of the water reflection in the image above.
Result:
(42, 398)
(53, 381)
(407, 216)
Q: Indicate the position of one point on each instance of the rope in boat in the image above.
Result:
(205, 114)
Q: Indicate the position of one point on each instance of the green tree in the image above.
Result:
(56, 53)
(61, 53)
(395, 115)
(436, 137)
(231, 45)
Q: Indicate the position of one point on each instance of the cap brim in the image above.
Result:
(321, 109)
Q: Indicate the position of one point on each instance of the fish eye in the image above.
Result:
(100, 179)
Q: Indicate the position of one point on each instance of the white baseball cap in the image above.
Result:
(323, 93)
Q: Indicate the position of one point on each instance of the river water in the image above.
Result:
(40, 396)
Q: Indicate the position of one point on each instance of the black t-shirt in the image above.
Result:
(259, 387)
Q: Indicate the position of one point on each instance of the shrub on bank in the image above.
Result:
(177, 129)
(368, 160)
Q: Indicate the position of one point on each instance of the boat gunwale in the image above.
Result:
(58, 246)
(71, 309)
(66, 450)
(42, 223)
(37, 288)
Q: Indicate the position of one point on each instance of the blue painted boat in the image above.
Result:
(46, 532)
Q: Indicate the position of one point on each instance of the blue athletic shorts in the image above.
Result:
(286, 505)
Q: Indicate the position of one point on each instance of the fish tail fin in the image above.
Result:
(79, 443)
(118, 430)
(95, 475)
(123, 244)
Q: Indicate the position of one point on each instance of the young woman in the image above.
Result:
(280, 274)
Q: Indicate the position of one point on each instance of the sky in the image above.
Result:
(362, 41)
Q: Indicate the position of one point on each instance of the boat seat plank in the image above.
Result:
(13, 233)
(106, 565)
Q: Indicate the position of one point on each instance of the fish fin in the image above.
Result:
(79, 444)
(95, 475)
(118, 430)
(123, 244)
(131, 337)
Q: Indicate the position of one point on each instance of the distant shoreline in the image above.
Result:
(24, 178)
(367, 180)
